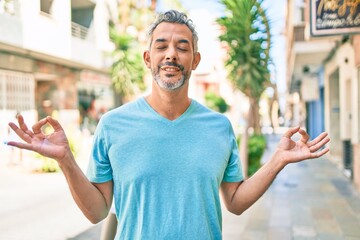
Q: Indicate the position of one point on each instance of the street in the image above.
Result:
(308, 200)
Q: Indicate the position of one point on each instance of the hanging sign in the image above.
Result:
(334, 17)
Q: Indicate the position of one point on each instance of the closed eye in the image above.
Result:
(182, 49)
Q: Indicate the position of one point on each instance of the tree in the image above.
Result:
(127, 32)
(216, 102)
(247, 34)
(127, 70)
(246, 31)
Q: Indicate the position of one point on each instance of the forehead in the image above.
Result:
(168, 31)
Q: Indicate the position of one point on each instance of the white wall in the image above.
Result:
(50, 34)
(11, 30)
(349, 128)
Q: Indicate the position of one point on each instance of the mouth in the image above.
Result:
(170, 69)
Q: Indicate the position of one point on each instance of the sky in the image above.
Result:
(276, 14)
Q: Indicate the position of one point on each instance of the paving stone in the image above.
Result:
(329, 236)
(279, 233)
(321, 213)
(350, 228)
(327, 227)
(304, 231)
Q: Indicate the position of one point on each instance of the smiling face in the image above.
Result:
(171, 57)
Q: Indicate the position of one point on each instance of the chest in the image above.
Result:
(170, 153)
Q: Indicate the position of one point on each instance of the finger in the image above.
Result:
(317, 139)
(23, 126)
(54, 124)
(20, 132)
(289, 133)
(319, 145)
(20, 145)
(319, 153)
(304, 136)
(37, 126)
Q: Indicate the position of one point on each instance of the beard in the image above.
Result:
(170, 85)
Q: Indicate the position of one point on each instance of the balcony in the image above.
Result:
(79, 31)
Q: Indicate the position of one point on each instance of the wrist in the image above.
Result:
(278, 161)
(67, 159)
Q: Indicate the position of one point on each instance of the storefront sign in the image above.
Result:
(334, 17)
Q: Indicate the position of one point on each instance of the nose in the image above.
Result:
(171, 55)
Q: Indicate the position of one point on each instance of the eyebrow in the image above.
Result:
(183, 41)
(161, 40)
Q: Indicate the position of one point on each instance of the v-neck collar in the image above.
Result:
(164, 119)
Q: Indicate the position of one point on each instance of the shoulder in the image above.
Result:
(206, 112)
(123, 110)
(123, 115)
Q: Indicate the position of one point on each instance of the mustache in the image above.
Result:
(172, 64)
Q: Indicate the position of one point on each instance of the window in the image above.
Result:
(45, 6)
(16, 91)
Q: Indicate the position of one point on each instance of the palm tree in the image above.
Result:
(127, 70)
(247, 34)
(126, 32)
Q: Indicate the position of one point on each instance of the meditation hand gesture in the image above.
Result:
(54, 145)
(290, 151)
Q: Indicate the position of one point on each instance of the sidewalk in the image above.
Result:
(308, 200)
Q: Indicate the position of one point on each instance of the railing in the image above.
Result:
(78, 30)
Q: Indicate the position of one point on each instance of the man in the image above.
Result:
(164, 157)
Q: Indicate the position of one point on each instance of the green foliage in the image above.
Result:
(247, 35)
(49, 165)
(216, 102)
(246, 31)
(256, 148)
(128, 69)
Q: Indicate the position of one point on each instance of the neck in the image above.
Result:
(170, 105)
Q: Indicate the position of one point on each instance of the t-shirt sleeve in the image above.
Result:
(233, 171)
(99, 169)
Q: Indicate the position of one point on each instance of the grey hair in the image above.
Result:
(174, 16)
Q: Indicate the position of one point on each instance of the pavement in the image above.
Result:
(307, 200)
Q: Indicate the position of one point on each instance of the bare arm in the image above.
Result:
(241, 195)
(94, 200)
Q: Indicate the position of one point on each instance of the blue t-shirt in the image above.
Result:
(166, 173)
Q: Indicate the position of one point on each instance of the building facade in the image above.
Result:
(54, 60)
(323, 79)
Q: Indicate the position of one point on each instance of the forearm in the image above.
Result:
(249, 191)
(88, 197)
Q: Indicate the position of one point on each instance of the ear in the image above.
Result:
(196, 61)
(146, 57)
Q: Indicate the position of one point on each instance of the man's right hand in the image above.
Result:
(54, 145)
